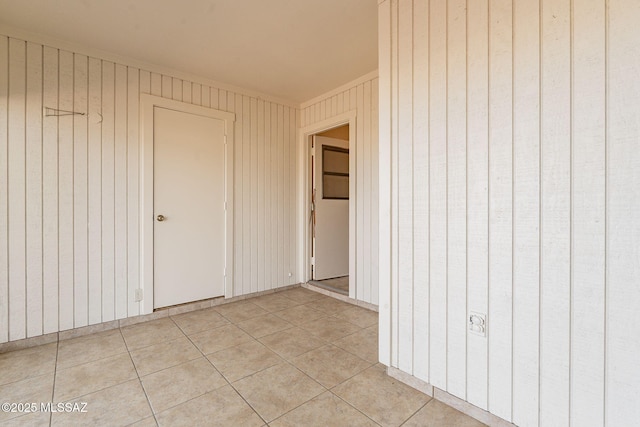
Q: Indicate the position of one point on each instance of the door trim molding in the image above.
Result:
(147, 105)
(304, 195)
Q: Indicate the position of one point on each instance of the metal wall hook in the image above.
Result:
(56, 112)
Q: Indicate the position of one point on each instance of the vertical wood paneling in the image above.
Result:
(280, 193)
(531, 127)
(359, 187)
(268, 200)
(50, 193)
(120, 192)
(477, 194)
(4, 187)
(156, 84)
(456, 198)
(186, 92)
(79, 263)
(555, 213)
(420, 188)
(136, 82)
(253, 212)
(588, 213)
(285, 196)
(176, 90)
(260, 247)
(526, 211)
(404, 185)
(438, 194)
(293, 191)
(94, 164)
(65, 192)
(16, 190)
(339, 105)
(623, 204)
(384, 188)
(236, 107)
(500, 207)
(367, 192)
(196, 94)
(274, 195)
(167, 86)
(33, 175)
(243, 103)
(224, 101)
(80, 191)
(206, 97)
(394, 181)
(108, 191)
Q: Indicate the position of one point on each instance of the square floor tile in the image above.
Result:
(330, 328)
(30, 362)
(437, 414)
(148, 333)
(91, 347)
(302, 295)
(330, 365)
(274, 302)
(243, 360)
(277, 390)
(220, 338)
(122, 404)
(363, 344)
(324, 410)
(223, 407)
(292, 342)
(299, 314)
(359, 316)
(164, 355)
(330, 306)
(93, 376)
(264, 325)
(239, 311)
(198, 321)
(391, 404)
(172, 386)
(34, 389)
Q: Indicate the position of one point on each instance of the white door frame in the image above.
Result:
(147, 105)
(304, 176)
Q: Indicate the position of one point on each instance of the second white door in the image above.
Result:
(189, 207)
(331, 189)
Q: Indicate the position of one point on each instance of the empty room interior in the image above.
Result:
(320, 212)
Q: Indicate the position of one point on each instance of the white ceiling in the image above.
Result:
(291, 49)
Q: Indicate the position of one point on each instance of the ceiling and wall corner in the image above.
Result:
(291, 50)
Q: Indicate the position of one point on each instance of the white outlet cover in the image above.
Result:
(477, 323)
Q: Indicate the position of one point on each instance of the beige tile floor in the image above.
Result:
(293, 358)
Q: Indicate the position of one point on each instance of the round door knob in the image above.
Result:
(160, 218)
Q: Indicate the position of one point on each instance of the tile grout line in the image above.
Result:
(53, 388)
(224, 377)
(153, 414)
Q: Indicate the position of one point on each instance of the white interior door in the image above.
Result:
(189, 208)
(331, 187)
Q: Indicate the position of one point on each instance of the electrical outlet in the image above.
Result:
(138, 294)
(477, 323)
(290, 274)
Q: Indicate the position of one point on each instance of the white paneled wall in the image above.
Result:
(513, 190)
(361, 97)
(69, 187)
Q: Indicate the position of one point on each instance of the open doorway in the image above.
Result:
(330, 209)
(334, 125)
